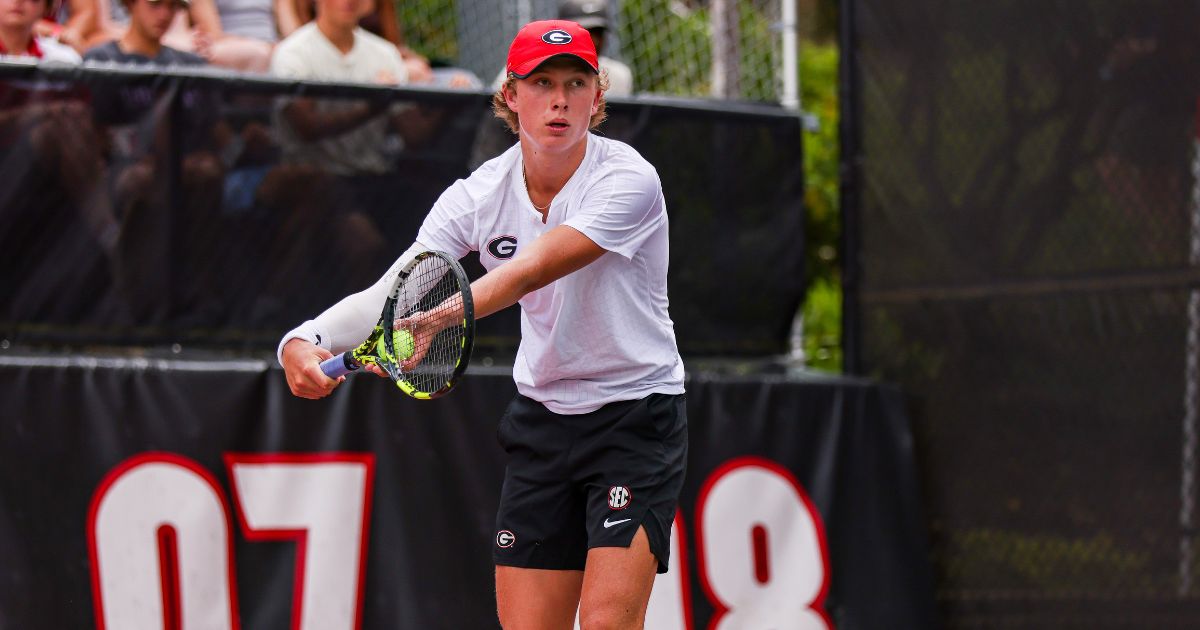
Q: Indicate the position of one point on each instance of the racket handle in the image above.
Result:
(339, 365)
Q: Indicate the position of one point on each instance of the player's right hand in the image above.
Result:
(302, 365)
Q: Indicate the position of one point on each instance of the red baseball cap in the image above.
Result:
(538, 41)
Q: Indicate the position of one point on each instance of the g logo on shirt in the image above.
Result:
(558, 37)
(502, 247)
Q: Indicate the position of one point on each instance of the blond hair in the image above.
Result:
(500, 106)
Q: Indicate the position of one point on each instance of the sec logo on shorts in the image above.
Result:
(618, 497)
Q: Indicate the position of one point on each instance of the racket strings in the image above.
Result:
(432, 286)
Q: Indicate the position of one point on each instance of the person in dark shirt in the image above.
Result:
(164, 270)
(126, 110)
(149, 21)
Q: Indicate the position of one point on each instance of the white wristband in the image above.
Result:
(307, 331)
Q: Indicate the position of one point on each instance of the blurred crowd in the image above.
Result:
(236, 34)
(191, 177)
(248, 35)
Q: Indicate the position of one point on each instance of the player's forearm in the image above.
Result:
(555, 254)
(504, 286)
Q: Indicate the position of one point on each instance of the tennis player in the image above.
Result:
(572, 226)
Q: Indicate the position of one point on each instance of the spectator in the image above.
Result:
(339, 170)
(142, 42)
(155, 226)
(339, 135)
(380, 18)
(17, 38)
(593, 16)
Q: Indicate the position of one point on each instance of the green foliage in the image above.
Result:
(670, 48)
(1050, 564)
(822, 325)
(656, 51)
(429, 27)
(758, 61)
(823, 306)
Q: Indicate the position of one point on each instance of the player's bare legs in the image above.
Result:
(537, 599)
(612, 593)
(616, 586)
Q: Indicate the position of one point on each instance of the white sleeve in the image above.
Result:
(622, 209)
(347, 323)
(450, 224)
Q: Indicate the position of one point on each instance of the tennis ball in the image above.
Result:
(404, 344)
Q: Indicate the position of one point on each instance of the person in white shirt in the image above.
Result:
(340, 156)
(573, 227)
(343, 136)
(17, 38)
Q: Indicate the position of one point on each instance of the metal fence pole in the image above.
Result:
(790, 26)
(849, 141)
(1187, 477)
(726, 64)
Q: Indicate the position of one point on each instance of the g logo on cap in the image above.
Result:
(558, 37)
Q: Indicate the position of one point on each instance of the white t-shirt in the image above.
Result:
(56, 51)
(599, 335)
(308, 54)
(53, 51)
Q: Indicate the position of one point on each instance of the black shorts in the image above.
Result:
(575, 482)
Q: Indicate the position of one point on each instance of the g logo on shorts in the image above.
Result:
(618, 497)
(505, 539)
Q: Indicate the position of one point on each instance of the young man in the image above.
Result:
(597, 437)
(131, 116)
(338, 135)
(338, 175)
(149, 21)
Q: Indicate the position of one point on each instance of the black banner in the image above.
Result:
(152, 207)
(149, 493)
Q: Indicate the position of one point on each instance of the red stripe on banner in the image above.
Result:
(762, 566)
(168, 571)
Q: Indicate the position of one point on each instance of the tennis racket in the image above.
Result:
(424, 335)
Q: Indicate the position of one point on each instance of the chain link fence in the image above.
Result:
(1023, 179)
(693, 48)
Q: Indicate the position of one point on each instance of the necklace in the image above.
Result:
(530, 195)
